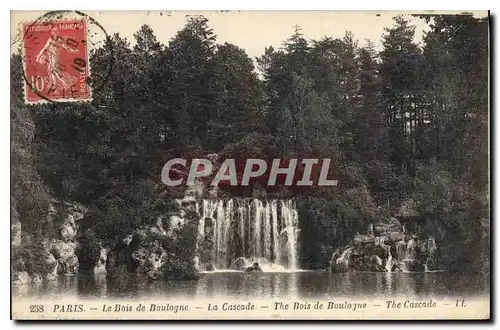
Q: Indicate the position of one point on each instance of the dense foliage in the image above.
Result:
(408, 123)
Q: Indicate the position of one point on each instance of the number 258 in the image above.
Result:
(36, 308)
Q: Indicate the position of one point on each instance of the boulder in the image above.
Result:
(431, 264)
(423, 247)
(364, 239)
(409, 265)
(394, 237)
(188, 206)
(68, 231)
(61, 249)
(22, 260)
(51, 266)
(400, 250)
(101, 263)
(36, 278)
(391, 225)
(196, 263)
(156, 232)
(69, 228)
(20, 278)
(395, 225)
(239, 264)
(16, 237)
(380, 229)
(26, 238)
(376, 260)
(411, 249)
(139, 236)
(36, 261)
(333, 261)
(381, 252)
(140, 256)
(175, 222)
(149, 258)
(127, 239)
(360, 250)
(67, 266)
(343, 264)
(115, 262)
(408, 210)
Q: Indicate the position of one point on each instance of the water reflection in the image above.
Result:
(263, 285)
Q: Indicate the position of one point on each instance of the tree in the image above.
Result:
(400, 66)
(237, 106)
(370, 124)
(29, 195)
(456, 52)
(182, 87)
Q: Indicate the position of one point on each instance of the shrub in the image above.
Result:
(176, 269)
(89, 251)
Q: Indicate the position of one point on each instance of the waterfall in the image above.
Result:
(290, 217)
(401, 250)
(430, 263)
(343, 260)
(411, 253)
(263, 230)
(371, 231)
(431, 243)
(390, 262)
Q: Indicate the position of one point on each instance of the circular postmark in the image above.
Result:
(57, 50)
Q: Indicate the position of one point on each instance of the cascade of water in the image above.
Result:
(401, 250)
(292, 241)
(430, 263)
(274, 221)
(227, 223)
(371, 229)
(241, 212)
(388, 265)
(432, 246)
(411, 250)
(255, 229)
(404, 266)
(343, 260)
(267, 231)
(289, 220)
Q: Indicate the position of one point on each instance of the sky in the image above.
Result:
(250, 30)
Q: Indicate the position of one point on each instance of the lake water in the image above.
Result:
(238, 285)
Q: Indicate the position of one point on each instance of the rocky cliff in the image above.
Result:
(49, 252)
(387, 247)
(165, 248)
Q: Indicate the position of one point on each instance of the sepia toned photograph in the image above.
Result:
(250, 165)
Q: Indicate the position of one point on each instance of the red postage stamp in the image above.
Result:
(56, 64)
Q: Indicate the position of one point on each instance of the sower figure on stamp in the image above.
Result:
(58, 77)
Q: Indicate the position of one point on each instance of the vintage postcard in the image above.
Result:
(250, 165)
